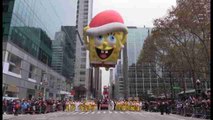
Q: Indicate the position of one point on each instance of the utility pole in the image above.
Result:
(171, 85)
(136, 88)
(150, 83)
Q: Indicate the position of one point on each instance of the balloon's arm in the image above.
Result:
(123, 41)
(86, 41)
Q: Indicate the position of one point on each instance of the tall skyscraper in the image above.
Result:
(119, 80)
(84, 15)
(96, 83)
(135, 40)
(28, 28)
(111, 83)
(64, 52)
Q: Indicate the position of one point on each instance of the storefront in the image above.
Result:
(10, 90)
(64, 94)
(30, 93)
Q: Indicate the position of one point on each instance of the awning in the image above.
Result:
(12, 88)
(64, 92)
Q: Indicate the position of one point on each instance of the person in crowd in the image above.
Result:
(77, 103)
(146, 106)
(162, 107)
(64, 105)
(23, 106)
(10, 107)
(112, 105)
(167, 107)
(33, 108)
(4, 111)
(99, 102)
(16, 107)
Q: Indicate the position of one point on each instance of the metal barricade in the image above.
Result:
(199, 112)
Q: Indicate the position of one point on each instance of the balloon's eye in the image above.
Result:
(111, 39)
(100, 37)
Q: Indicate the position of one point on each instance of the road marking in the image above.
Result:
(81, 113)
(92, 112)
(141, 114)
(41, 118)
(98, 112)
(87, 112)
(121, 112)
(104, 112)
(75, 113)
(115, 112)
(127, 112)
(175, 118)
(110, 112)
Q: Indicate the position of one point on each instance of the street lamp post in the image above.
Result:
(198, 86)
(42, 84)
(150, 83)
(136, 82)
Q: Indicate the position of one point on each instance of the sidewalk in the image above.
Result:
(7, 116)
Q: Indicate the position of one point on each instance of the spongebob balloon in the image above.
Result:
(104, 37)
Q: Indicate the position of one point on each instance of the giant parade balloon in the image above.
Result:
(104, 37)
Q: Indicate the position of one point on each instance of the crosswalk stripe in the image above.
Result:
(87, 112)
(142, 114)
(127, 112)
(121, 112)
(107, 112)
(75, 113)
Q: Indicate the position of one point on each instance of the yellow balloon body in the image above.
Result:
(105, 53)
(104, 37)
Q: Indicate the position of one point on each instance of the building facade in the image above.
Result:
(111, 84)
(119, 81)
(28, 28)
(135, 40)
(84, 15)
(63, 59)
(26, 77)
(96, 83)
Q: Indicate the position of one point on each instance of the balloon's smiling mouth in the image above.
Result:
(103, 54)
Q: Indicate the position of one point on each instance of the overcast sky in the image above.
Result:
(135, 13)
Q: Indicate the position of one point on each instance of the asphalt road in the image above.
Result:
(99, 115)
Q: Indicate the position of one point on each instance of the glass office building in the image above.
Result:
(133, 81)
(29, 26)
(135, 40)
(63, 59)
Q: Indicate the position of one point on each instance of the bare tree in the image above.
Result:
(180, 41)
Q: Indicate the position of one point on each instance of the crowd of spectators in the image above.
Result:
(194, 106)
(191, 106)
(33, 106)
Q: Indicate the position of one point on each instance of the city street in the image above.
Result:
(99, 115)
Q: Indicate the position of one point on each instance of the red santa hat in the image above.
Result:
(106, 22)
